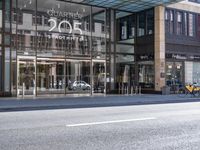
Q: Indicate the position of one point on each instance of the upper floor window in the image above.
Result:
(191, 23)
(167, 22)
(186, 23)
(127, 27)
(37, 20)
(198, 26)
(150, 21)
(171, 27)
(179, 23)
(124, 30)
(167, 15)
(46, 21)
(131, 26)
(17, 17)
(141, 24)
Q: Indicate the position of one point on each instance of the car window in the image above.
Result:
(83, 82)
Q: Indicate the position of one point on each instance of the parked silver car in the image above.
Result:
(79, 85)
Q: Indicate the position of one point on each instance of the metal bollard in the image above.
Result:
(140, 90)
(131, 90)
(123, 88)
(136, 90)
(23, 89)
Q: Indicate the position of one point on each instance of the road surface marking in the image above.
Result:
(109, 122)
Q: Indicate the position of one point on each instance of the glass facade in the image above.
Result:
(58, 47)
(69, 48)
(125, 63)
(64, 47)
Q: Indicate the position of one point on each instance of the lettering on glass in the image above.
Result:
(75, 27)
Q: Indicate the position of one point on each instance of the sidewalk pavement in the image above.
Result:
(66, 102)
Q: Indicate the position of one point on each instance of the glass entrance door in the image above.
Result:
(174, 75)
(100, 78)
(78, 76)
(50, 76)
(26, 76)
(126, 78)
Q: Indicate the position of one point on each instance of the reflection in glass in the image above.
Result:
(146, 75)
(179, 23)
(26, 77)
(196, 73)
(150, 21)
(99, 33)
(50, 76)
(25, 39)
(174, 75)
(78, 76)
(141, 28)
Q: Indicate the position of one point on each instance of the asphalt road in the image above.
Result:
(141, 127)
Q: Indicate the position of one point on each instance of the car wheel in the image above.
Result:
(87, 88)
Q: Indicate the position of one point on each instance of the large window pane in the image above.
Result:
(167, 20)
(50, 76)
(186, 23)
(198, 26)
(63, 28)
(26, 38)
(179, 29)
(150, 22)
(191, 24)
(125, 73)
(146, 74)
(196, 73)
(141, 26)
(99, 33)
(126, 28)
(174, 75)
(171, 28)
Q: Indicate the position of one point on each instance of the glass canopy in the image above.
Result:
(126, 5)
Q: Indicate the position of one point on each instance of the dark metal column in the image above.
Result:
(91, 50)
(6, 47)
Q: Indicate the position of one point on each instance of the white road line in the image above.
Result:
(109, 122)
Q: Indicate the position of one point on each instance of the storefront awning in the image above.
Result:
(126, 5)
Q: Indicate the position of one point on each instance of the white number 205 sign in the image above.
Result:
(76, 26)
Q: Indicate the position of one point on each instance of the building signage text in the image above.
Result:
(75, 27)
(69, 15)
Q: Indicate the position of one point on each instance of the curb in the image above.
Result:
(92, 105)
